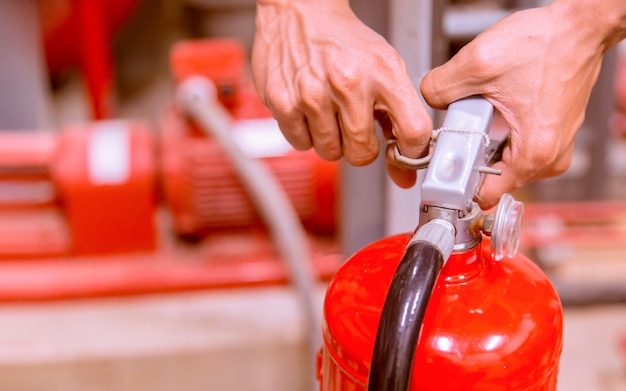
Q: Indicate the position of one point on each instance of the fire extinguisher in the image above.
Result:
(451, 306)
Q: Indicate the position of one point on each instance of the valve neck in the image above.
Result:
(467, 226)
(464, 266)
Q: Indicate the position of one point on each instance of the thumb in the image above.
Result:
(447, 83)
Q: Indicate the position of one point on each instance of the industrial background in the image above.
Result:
(157, 272)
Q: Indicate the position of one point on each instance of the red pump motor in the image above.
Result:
(200, 184)
(444, 308)
(87, 190)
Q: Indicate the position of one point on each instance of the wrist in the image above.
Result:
(605, 20)
(271, 11)
(320, 3)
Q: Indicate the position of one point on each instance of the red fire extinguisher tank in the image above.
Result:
(489, 325)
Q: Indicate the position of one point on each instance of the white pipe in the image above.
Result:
(197, 98)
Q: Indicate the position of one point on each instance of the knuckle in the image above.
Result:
(299, 141)
(328, 149)
(544, 157)
(311, 92)
(392, 59)
(560, 167)
(546, 150)
(419, 139)
(362, 149)
(330, 154)
(391, 64)
(361, 156)
(562, 164)
(280, 103)
(345, 78)
(414, 144)
(357, 134)
(483, 60)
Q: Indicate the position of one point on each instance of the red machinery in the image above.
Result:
(80, 33)
(87, 191)
(80, 212)
(193, 164)
(445, 309)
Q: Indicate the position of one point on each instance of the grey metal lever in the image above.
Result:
(453, 175)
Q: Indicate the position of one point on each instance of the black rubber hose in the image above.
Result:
(402, 317)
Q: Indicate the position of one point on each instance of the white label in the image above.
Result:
(260, 138)
(108, 154)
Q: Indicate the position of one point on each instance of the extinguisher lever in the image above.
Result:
(459, 156)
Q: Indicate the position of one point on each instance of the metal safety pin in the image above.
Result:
(412, 164)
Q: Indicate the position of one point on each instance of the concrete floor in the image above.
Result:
(591, 357)
(221, 340)
(247, 340)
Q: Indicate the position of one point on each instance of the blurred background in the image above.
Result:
(133, 258)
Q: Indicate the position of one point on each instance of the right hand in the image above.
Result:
(537, 67)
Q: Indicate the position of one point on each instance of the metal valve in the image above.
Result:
(462, 155)
(453, 175)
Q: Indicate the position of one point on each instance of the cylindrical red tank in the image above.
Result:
(489, 325)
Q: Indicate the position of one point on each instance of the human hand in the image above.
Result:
(326, 77)
(537, 67)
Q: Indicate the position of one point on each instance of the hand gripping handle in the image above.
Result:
(453, 175)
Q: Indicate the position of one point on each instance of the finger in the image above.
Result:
(359, 141)
(360, 144)
(321, 115)
(411, 126)
(294, 127)
(385, 124)
(326, 134)
(354, 102)
(404, 178)
(410, 122)
(396, 95)
(324, 128)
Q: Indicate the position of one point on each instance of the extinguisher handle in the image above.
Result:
(411, 288)
(459, 156)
